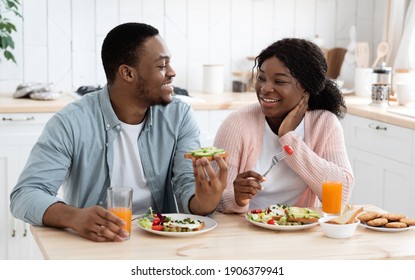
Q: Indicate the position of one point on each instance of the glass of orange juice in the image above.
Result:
(120, 202)
(332, 190)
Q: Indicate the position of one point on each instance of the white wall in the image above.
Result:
(59, 41)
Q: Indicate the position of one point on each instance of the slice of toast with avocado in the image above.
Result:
(206, 152)
(301, 215)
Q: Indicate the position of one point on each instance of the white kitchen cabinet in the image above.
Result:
(209, 122)
(381, 155)
(18, 134)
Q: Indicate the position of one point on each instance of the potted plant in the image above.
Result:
(7, 28)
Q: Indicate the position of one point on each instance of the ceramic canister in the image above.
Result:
(363, 81)
(213, 78)
(403, 76)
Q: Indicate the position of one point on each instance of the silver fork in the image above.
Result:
(278, 157)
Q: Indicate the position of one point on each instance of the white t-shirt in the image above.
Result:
(127, 169)
(283, 185)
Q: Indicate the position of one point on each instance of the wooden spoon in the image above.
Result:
(381, 52)
(362, 54)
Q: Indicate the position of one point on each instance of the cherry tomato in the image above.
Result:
(157, 227)
(256, 211)
(156, 221)
(271, 222)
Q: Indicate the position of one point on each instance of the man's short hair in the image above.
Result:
(124, 45)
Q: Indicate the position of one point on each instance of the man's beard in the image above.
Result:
(144, 94)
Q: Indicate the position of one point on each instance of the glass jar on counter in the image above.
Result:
(238, 82)
(381, 85)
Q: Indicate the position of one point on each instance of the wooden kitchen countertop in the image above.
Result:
(358, 106)
(9, 104)
(222, 101)
(199, 101)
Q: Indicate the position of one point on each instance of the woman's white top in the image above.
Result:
(283, 185)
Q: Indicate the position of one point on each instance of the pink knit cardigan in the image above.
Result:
(241, 134)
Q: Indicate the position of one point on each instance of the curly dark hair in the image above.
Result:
(124, 45)
(307, 64)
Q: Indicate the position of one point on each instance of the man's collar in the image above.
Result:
(110, 118)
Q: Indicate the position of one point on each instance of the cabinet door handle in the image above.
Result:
(19, 119)
(378, 127)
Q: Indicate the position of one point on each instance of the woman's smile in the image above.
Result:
(269, 100)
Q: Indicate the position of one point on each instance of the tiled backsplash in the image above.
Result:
(59, 41)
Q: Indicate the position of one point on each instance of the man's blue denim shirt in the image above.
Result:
(75, 151)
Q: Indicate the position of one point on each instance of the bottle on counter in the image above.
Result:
(381, 85)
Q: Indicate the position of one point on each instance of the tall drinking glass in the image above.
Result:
(332, 190)
(120, 202)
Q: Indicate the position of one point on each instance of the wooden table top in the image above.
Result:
(233, 238)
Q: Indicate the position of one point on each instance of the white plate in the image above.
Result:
(385, 229)
(280, 227)
(209, 225)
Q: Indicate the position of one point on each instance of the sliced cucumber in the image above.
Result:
(207, 151)
(203, 154)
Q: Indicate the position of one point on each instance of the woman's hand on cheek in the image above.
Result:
(294, 117)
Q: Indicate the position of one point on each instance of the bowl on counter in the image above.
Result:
(337, 231)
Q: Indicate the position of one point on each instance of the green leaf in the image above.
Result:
(7, 27)
(9, 56)
(11, 27)
(11, 4)
(7, 41)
